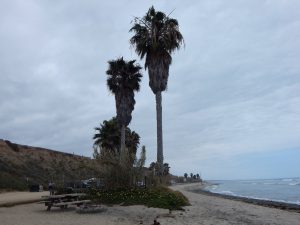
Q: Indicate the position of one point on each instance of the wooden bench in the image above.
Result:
(64, 205)
(78, 203)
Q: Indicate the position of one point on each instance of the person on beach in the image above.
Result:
(51, 188)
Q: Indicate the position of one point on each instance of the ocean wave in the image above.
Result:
(279, 190)
(227, 193)
(268, 199)
(211, 187)
(293, 184)
(230, 193)
(214, 187)
(287, 179)
(269, 183)
(223, 192)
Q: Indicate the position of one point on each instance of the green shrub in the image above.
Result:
(160, 197)
(8, 182)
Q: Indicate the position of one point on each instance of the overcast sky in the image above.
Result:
(232, 108)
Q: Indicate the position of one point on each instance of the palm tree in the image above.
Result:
(132, 143)
(156, 36)
(107, 138)
(123, 80)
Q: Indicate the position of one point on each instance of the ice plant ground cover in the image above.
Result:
(159, 197)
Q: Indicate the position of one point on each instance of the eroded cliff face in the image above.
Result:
(22, 165)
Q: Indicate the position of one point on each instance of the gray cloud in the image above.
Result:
(233, 90)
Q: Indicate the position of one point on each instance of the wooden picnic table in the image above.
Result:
(63, 201)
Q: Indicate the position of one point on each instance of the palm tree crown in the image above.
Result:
(156, 37)
(108, 136)
(123, 79)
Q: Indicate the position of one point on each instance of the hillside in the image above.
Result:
(22, 165)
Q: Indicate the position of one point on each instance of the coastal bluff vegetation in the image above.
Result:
(22, 165)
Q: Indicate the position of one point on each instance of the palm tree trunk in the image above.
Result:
(160, 156)
(122, 150)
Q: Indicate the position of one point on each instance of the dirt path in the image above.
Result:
(15, 198)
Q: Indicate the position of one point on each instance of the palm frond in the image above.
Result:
(123, 80)
(156, 37)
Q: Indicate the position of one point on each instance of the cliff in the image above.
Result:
(22, 165)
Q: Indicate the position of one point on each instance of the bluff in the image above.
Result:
(22, 165)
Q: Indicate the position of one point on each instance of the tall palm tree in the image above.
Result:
(156, 36)
(123, 80)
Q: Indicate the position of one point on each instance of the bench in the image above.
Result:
(71, 203)
(64, 205)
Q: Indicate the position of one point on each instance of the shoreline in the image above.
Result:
(266, 203)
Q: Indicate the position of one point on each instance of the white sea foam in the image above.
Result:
(213, 187)
(281, 190)
(293, 184)
(254, 197)
(269, 183)
(287, 179)
(227, 193)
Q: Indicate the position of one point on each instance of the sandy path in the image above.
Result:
(206, 210)
(11, 198)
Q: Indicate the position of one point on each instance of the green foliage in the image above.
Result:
(160, 197)
(123, 76)
(123, 80)
(155, 32)
(9, 182)
(155, 37)
(107, 139)
(108, 135)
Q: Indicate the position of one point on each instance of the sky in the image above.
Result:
(232, 108)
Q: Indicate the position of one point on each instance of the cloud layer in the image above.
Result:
(234, 89)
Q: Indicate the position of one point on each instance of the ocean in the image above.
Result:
(281, 190)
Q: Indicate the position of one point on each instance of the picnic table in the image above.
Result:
(63, 201)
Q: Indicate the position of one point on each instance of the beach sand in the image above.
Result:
(12, 198)
(207, 210)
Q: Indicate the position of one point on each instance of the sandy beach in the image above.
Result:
(206, 210)
(12, 198)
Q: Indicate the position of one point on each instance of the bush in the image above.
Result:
(9, 182)
(160, 197)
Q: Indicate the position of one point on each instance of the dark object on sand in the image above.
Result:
(156, 223)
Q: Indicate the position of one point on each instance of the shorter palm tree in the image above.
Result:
(107, 139)
(108, 136)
